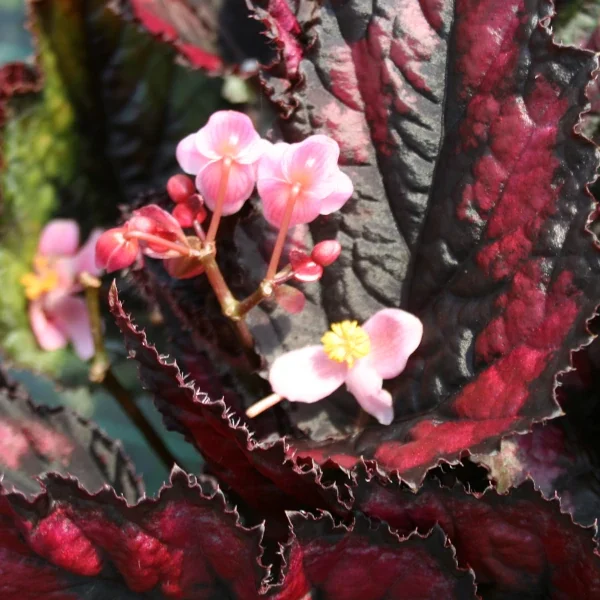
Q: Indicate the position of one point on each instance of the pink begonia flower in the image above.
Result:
(311, 168)
(360, 357)
(56, 315)
(228, 135)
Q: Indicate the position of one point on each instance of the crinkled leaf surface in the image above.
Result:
(186, 544)
(112, 106)
(518, 545)
(562, 456)
(262, 474)
(35, 440)
(368, 561)
(456, 122)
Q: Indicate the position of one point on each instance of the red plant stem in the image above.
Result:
(216, 218)
(262, 405)
(285, 225)
(154, 239)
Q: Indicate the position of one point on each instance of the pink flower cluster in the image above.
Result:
(296, 182)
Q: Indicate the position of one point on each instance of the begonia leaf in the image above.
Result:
(518, 545)
(456, 124)
(186, 544)
(262, 474)
(35, 440)
(367, 561)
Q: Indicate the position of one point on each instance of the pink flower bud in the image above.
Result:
(180, 188)
(305, 269)
(326, 253)
(184, 215)
(114, 252)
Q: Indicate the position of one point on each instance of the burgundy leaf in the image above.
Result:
(186, 544)
(456, 124)
(264, 475)
(37, 439)
(341, 562)
(518, 545)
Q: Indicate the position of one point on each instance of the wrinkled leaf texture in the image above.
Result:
(35, 439)
(455, 122)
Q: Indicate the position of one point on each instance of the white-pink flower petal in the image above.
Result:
(365, 384)
(71, 316)
(60, 237)
(47, 334)
(395, 334)
(306, 375)
(239, 186)
(342, 190)
(188, 156)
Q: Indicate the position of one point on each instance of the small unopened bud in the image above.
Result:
(180, 188)
(184, 214)
(326, 253)
(305, 269)
(114, 252)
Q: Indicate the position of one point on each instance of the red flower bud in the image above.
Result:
(180, 188)
(114, 252)
(184, 214)
(326, 253)
(305, 269)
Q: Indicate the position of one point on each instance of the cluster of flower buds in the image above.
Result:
(296, 183)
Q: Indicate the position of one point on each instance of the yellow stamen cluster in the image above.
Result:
(346, 342)
(43, 280)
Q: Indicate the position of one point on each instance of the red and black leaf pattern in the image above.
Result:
(262, 474)
(470, 210)
(518, 545)
(35, 439)
(364, 560)
(186, 544)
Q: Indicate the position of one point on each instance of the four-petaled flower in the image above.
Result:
(360, 357)
(56, 315)
(308, 172)
(223, 156)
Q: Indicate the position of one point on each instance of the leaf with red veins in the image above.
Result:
(186, 544)
(519, 545)
(36, 439)
(364, 560)
(456, 124)
(262, 474)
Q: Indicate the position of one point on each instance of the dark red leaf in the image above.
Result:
(371, 562)
(36, 439)
(187, 544)
(456, 126)
(518, 545)
(264, 475)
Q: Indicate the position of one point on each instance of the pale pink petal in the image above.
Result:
(239, 186)
(253, 152)
(188, 157)
(71, 315)
(152, 214)
(306, 375)
(365, 384)
(48, 335)
(343, 189)
(312, 163)
(85, 259)
(229, 133)
(395, 335)
(59, 237)
(269, 166)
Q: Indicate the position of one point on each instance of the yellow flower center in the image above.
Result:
(346, 342)
(44, 279)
